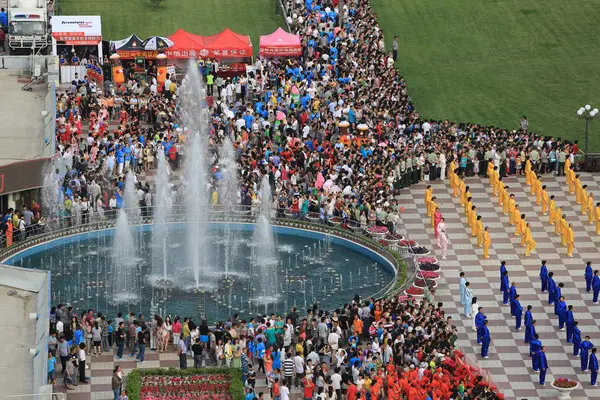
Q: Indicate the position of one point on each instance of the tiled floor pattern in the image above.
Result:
(509, 362)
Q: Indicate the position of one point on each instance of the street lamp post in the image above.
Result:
(586, 112)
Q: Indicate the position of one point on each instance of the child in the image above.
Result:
(51, 368)
(123, 395)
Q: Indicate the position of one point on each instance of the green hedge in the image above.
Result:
(134, 379)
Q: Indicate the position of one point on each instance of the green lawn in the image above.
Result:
(491, 61)
(121, 18)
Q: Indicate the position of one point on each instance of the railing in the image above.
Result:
(44, 396)
(106, 219)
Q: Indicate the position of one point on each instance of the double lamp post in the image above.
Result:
(586, 112)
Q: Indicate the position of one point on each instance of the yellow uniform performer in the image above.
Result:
(428, 196)
(528, 172)
(552, 211)
(434, 206)
(538, 193)
(545, 198)
(578, 190)
(463, 192)
(479, 233)
(567, 166)
(529, 242)
(473, 223)
(534, 182)
(523, 228)
(598, 220)
(564, 227)
(487, 241)
(570, 241)
(558, 221)
(584, 201)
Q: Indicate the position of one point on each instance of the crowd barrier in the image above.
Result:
(50, 229)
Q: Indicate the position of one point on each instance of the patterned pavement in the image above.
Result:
(509, 362)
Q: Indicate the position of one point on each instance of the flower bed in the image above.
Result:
(565, 383)
(190, 384)
(429, 267)
(424, 260)
(408, 243)
(430, 275)
(419, 250)
(414, 291)
(392, 239)
(421, 283)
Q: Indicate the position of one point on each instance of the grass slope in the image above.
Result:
(491, 61)
(207, 17)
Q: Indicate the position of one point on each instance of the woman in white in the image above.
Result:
(442, 160)
(443, 242)
(440, 228)
(474, 311)
(167, 327)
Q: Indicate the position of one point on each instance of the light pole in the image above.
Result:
(588, 114)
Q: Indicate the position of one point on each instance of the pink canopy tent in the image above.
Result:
(280, 44)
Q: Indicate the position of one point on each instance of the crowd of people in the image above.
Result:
(337, 134)
(373, 349)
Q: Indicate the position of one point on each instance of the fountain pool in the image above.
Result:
(312, 266)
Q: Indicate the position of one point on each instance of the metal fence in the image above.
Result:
(50, 122)
(51, 229)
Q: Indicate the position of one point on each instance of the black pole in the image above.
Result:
(587, 128)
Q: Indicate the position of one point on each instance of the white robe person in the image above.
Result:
(441, 228)
(474, 311)
(444, 241)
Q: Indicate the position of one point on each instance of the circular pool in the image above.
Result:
(310, 267)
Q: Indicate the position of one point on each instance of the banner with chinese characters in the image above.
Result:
(280, 51)
(129, 54)
(77, 30)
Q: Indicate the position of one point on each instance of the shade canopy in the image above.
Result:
(186, 45)
(280, 44)
(131, 43)
(227, 44)
(157, 43)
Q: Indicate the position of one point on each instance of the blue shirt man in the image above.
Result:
(585, 347)
(576, 338)
(551, 288)
(544, 276)
(596, 286)
(3, 18)
(504, 287)
(512, 293)
(534, 348)
(593, 365)
(518, 312)
(557, 296)
(561, 308)
(485, 340)
(589, 275)
(543, 363)
(570, 321)
(479, 322)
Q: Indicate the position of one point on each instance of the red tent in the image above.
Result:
(280, 44)
(187, 45)
(227, 44)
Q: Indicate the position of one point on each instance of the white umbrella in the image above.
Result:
(157, 43)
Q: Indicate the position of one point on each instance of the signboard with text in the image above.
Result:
(77, 30)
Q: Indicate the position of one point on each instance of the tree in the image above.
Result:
(157, 3)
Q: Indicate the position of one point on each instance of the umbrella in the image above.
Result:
(295, 90)
(280, 115)
(362, 127)
(157, 43)
(343, 124)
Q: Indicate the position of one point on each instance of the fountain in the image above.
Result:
(52, 198)
(196, 196)
(209, 269)
(124, 271)
(163, 204)
(265, 260)
(230, 198)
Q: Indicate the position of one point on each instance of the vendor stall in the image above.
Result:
(186, 45)
(280, 44)
(227, 45)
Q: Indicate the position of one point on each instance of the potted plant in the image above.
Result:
(564, 386)
(377, 232)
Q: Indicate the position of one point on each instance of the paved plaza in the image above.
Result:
(509, 361)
